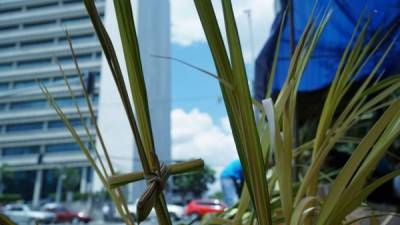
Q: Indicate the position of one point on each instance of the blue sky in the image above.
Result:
(194, 89)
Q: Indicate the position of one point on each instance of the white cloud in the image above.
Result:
(186, 27)
(195, 135)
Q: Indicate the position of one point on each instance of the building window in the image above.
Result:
(79, 58)
(24, 127)
(95, 99)
(33, 63)
(68, 102)
(57, 124)
(69, 77)
(89, 174)
(41, 6)
(2, 106)
(66, 147)
(72, 80)
(24, 84)
(37, 43)
(66, 2)
(5, 66)
(35, 104)
(73, 20)
(40, 24)
(9, 10)
(8, 27)
(30, 83)
(7, 46)
(4, 86)
(23, 150)
(78, 38)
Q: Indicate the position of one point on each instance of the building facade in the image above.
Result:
(35, 147)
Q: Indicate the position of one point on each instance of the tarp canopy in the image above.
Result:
(321, 68)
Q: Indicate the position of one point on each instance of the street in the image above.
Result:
(151, 221)
(100, 222)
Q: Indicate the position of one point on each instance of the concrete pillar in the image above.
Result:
(37, 188)
(83, 186)
(155, 41)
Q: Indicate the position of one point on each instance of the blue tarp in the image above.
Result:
(325, 59)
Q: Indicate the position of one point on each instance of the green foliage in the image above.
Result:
(72, 178)
(217, 195)
(5, 174)
(9, 198)
(238, 102)
(195, 182)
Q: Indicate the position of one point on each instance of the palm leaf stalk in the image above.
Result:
(93, 121)
(238, 103)
(114, 194)
(123, 10)
(283, 145)
(284, 152)
(144, 138)
(5, 220)
(120, 180)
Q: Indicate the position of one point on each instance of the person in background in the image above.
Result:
(231, 182)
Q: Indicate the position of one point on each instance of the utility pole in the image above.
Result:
(251, 36)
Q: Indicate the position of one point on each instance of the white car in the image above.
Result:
(22, 214)
(175, 211)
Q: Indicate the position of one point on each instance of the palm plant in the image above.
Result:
(302, 205)
(275, 198)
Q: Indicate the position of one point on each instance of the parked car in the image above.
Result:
(175, 211)
(22, 214)
(200, 207)
(63, 214)
(110, 214)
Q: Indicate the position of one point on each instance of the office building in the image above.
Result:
(35, 147)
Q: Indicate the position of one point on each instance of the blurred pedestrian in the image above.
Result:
(232, 182)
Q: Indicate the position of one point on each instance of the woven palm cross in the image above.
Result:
(155, 182)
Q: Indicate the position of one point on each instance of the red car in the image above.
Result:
(63, 215)
(200, 207)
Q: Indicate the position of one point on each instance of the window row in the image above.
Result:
(72, 79)
(48, 23)
(39, 126)
(41, 6)
(32, 63)
(51, 148)
(42, 103)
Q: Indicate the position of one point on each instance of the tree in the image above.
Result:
(217, 195)
(72, 180)
(5, 175)
(195, 183)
